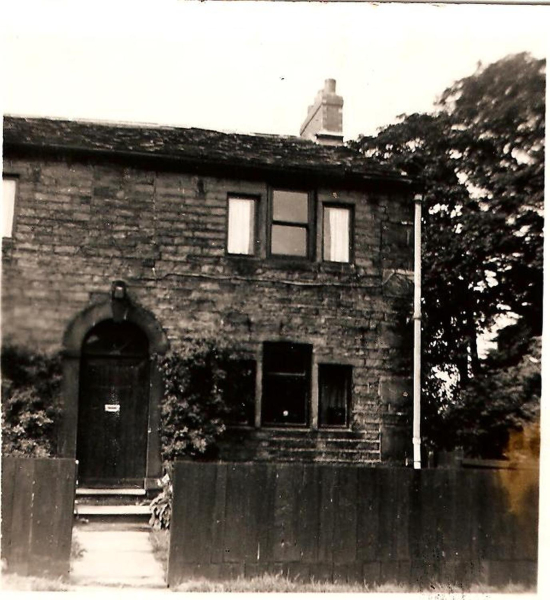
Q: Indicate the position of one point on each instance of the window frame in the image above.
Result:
(15, 178)
(349, 394)
(253, 365)
(256, 228)
(309, 226)
(307, 377)
(351, 240)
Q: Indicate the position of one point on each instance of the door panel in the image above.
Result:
(113, 413)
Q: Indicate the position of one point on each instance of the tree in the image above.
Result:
(480, 156)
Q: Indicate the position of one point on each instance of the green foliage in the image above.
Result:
(480, 157)
(30, 402)
(502, 399)
(203, 391)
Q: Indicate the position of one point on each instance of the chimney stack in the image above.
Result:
(323, 123)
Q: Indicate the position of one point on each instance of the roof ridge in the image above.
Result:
(152, 125)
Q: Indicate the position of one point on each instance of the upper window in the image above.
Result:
(9, 189)
(241, 226)
(286, 383)
(337, 234)
(290, 224)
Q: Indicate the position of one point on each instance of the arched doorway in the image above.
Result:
(113, 406)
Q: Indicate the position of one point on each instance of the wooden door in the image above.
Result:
(113, 408)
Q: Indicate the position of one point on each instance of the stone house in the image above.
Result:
(120, 241)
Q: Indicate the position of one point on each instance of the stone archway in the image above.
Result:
(73, 340)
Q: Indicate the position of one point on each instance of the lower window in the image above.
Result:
(286, 383)
(334, 395)
(241, 391)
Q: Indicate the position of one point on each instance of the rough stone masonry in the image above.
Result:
(98, 203)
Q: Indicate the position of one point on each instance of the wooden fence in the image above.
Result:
(37, 515)
(354, 523)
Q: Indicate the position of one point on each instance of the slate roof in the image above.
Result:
(199, 147)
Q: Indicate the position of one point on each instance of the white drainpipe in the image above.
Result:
(417, 318)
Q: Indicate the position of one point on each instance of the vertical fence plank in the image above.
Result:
(52, 518)
(326, 515)
(368, 506)
(219, 518)
(192, 515)
(240, 487)
(21, 525)
(287, 513)
(309, 502)
(8, 477)
(267, 515)
(345, 516)
(388, 479)
(37, 503)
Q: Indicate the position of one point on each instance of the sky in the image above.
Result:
(252, 66)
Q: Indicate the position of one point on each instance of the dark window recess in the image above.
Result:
(241, 391)
(334, 395)
(290, 223)
(286, 383)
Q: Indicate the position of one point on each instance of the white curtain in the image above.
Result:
(338, 234)
(9, 187)
(240, 239)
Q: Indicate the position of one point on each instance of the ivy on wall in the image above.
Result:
(206, 387)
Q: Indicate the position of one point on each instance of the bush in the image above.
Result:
(206, 387)
(161, 506)
(203, 391)
(31, 384)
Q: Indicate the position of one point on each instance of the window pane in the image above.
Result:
(334, 394)
(240, 391)
(291, 207)
(286, 357)
(240, 234)
(9, 187)
(286, 383)
(289, 241)
(336, 226)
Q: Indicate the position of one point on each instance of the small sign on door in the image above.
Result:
(114, 408)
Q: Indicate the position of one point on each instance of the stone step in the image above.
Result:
(84, 491)
(131, 516)
(111, 496)
(111, 509)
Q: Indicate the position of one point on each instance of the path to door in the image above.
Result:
(115, 555)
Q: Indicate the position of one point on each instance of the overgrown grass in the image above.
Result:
(32, 584)
(77, 551)
(160, 542)
(280, 584)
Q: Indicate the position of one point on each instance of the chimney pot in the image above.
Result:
(330, 86)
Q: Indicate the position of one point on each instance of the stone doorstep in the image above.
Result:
(82, 491)
(82, 510)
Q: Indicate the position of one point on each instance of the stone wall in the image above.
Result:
(79, 226)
